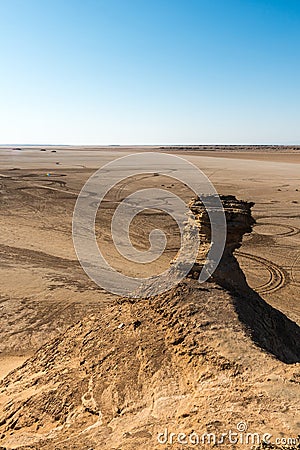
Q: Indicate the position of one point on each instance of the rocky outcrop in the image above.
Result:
(268, 327)
(239, 221)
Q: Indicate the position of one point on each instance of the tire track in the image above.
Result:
(296, 264)
(123, 185)
(277, 276)
(33, 184)
(292, 231)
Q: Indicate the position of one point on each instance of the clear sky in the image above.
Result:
(149, 71)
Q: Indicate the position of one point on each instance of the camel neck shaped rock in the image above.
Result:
(239, 221)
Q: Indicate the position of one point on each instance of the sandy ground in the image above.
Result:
(42, 287)
(8, 363)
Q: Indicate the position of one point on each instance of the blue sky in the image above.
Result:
(149, 72)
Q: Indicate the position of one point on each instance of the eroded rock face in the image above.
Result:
(239, 221)
(238, 217)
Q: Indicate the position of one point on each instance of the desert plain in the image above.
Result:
(49, 307)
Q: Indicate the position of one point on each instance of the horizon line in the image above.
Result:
(288, 144)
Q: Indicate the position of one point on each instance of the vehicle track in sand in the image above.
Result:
(291, 230)
(34, 185)
(296, 267)
(277, 276)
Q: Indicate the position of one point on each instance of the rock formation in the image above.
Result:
(268, 327)
(239, 221)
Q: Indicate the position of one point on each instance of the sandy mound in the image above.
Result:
(182, 361)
